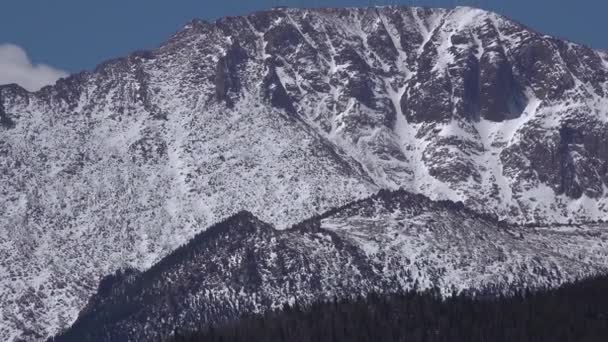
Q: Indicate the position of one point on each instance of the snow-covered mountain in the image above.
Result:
(287, 113)
(391, 241)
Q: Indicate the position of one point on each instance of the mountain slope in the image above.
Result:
(288, 113)
(392, 241)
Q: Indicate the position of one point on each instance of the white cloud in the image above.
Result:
(16, 67)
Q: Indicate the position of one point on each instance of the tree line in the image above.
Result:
(575, 312)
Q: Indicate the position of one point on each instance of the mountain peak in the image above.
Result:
(241, 217)
(242, 222)
(289, 113)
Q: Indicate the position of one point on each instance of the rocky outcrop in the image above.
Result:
(227, 78)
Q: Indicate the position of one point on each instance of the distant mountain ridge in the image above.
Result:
(288, 113)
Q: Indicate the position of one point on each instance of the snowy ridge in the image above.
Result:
(391, 241)
(287, 113)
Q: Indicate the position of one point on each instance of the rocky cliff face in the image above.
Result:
(392, 241)
(287, 113)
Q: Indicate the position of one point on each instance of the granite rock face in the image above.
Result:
(287, 113)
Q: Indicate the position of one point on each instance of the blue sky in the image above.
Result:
(74, 35)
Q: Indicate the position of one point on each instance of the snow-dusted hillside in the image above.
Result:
(287, 113)
(391, 241)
